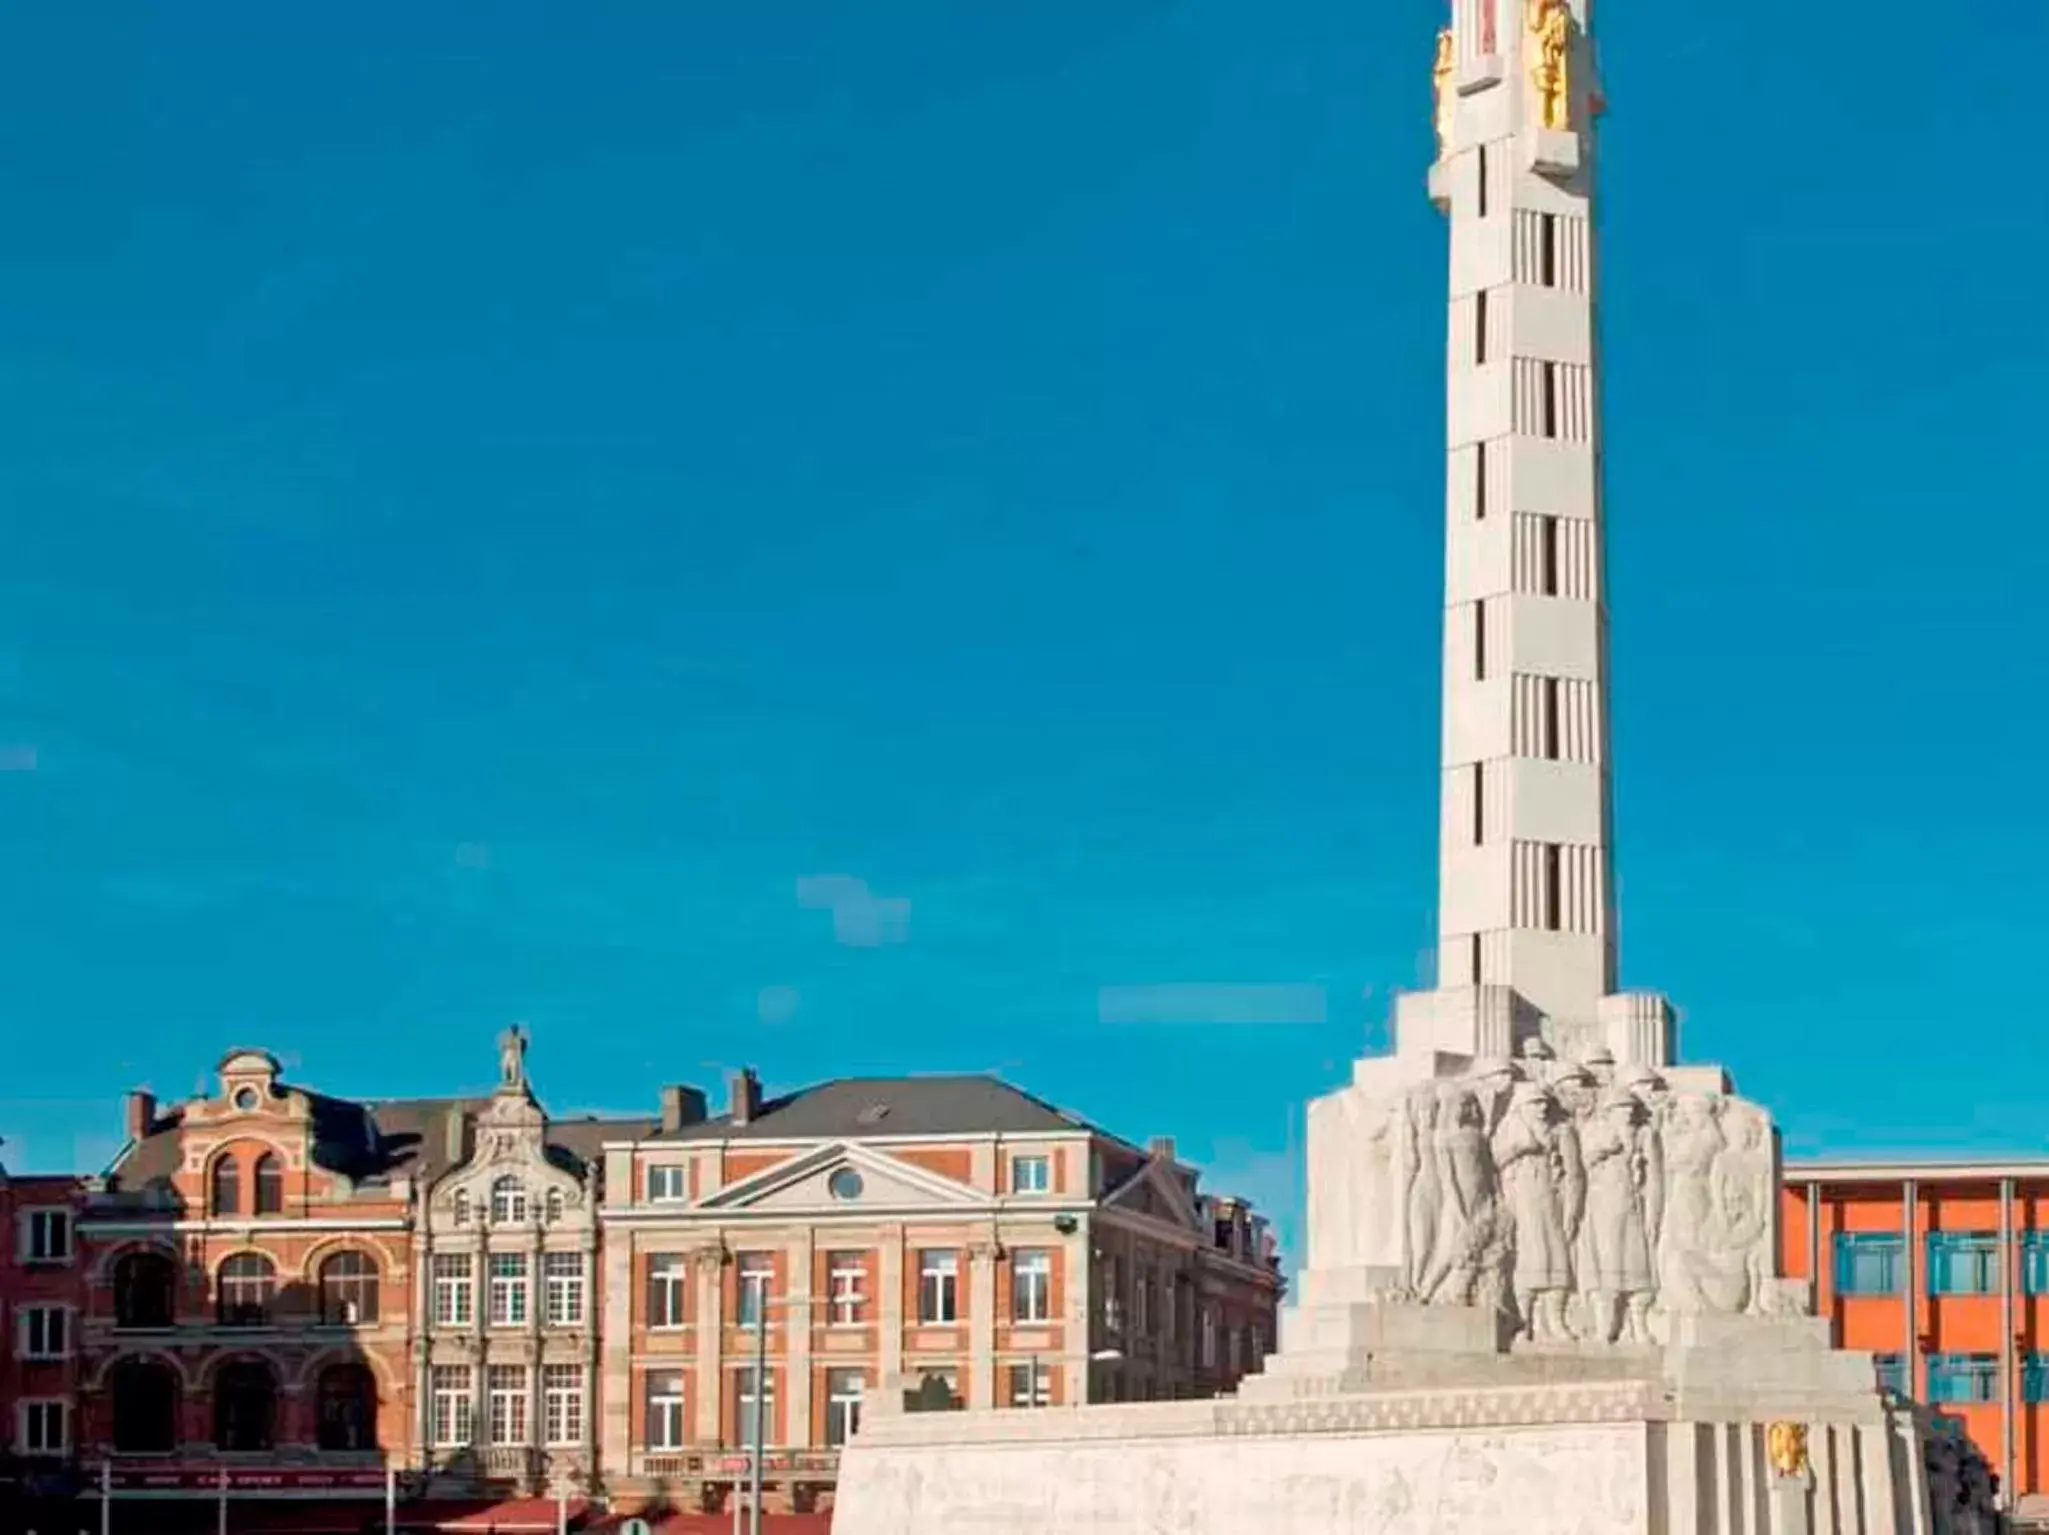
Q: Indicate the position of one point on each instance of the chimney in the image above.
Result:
(1162, 1148)
(142, 1113)
(743, 1095)
(681, 1106)
(457, 1149)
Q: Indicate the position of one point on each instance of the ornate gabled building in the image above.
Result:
(506, 1359)
(951, 1238)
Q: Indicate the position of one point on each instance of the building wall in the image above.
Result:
(30, 1281)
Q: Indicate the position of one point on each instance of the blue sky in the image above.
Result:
(867, 539)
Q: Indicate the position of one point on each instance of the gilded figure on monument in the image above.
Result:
(1550, 29)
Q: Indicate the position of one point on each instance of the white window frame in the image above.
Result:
(842, 1408)
(45, 1217)
(26, 1318)
(1040, 1179)
(753, 1271)
(454, 1280)
(1031, 1383)
(940, 1267)
(505, 1403)
(1031, 1284)
(509, 1299)
(668, 1183)
(665, 1425)
(562, 1404)
(508, 1201)
(844, 1298)
(452, 1414)
(670, 1271)
(32, 1408)
(744, 1408)
(565, 1294)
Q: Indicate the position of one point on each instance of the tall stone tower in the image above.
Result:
(1526, 904)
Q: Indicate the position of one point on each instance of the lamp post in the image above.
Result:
(763, 1304)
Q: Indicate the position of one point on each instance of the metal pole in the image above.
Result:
(2009, 1396)
(561, 1511)
(106, 1497)
(390, 1499)
(223, 1516)
(760, 1405)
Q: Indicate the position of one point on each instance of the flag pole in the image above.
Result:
(223, 1516)
(390, 1499)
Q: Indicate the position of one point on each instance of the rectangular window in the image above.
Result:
(1031, 1285)
(666, 1183)
(508, 1289)
(844, 1275)
(1142, 1304)
(756, 1275)
(43, 1332)
(1892, 1373)
(938, 1285)
(43, 1428)
(1550, 721)
(1480, 326)
(1030, 1175)
(1548, 556)
(1868, 1262)
(668, 1288)
(1554, 902)
(1480, 482)
(2035, 1378)
(452, 1404)
(1547, 250)
(1550, 417)
(1207, 1345)
(562, 1274)
(505, 1385)
(1480, 640)
(1963, 1263)
(454, 1294)
(753, 1412)
(44, 1236)
(1031, 1385)
(2035, 1262)
(665, 1410)
(562, 1403)
(1479, 803)
(1963, 1378)
(842, 1405)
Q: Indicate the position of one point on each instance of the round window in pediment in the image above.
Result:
(844, 1184)
(247, 1099)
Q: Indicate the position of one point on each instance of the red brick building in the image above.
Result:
(40, 1304)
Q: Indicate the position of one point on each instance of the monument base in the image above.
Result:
(1398, 1419)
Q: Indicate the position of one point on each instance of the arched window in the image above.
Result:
(348, 1290)
(145, 1393)
(244, 1406)
(347, 1403)
(508, 1200)
(270, 1184)
(145, 1290)
(248, 1285)
(224, 1193)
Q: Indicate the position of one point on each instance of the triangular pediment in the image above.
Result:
(1155, 1192)
(843, 1176)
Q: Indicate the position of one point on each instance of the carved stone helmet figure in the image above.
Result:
(1601, 1065)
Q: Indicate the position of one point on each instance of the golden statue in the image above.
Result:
(1550, 28)
(1440, 81)
(1785, 1446)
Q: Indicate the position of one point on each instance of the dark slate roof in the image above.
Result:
(856, 1106)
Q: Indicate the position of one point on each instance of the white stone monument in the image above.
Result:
(1542, 1288)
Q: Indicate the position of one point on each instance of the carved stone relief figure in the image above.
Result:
(1743, 1191)
(1689, 1264)
(1426, 1183)
(1620, 1282)
(1536, 1154)
(1468, 1246)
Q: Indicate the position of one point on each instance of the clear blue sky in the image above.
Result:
(497, 498)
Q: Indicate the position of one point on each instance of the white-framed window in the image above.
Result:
(756, 1274)
(562, 1403)
(452, 1403)
(667, 1182)
(1209, 1337)
(562, 1277)
(554, 1205)
(44, 1235)
(42, 1426)
(1031, 1385)
(505, 1393)
(844, 1274)
(508, 1201)
(750, 1405)
(938, 1285)
(668, 1289)
(459, 1207)
(1031, 1285)
(665, 1410)
(1031, 1175)
(454, 1290)
(43, 1332)
(508, 1289)
(843, 1390)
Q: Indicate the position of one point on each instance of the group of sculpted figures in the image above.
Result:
(1582, 1202)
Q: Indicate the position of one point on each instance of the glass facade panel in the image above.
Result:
(1869, 1262)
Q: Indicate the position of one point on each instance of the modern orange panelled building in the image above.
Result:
(1941, 1269)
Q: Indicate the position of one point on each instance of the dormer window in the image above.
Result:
(508, 1202)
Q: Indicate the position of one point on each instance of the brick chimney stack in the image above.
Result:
(681, 1106)
(142, 1113)
(743, 1095)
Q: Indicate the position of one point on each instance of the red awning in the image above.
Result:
(504, 1518)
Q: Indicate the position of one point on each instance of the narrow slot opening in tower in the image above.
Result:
(1547, 554)
(1547, 251)
(1550, 721)
(1479, 803)
(1552, 892)
(1480, 326)
(1480, 163)
(1480, 640)
(1548, 422)
(1480, 482)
